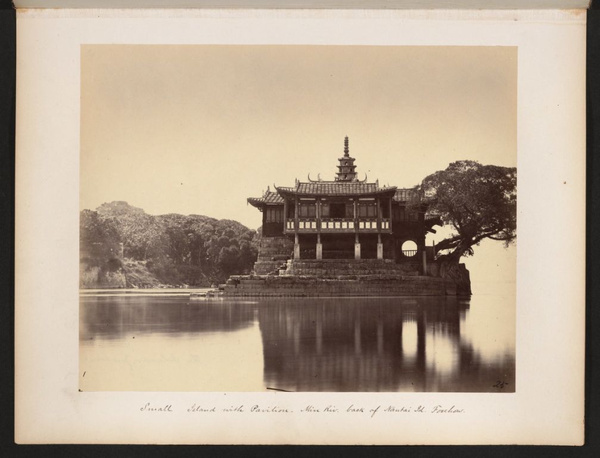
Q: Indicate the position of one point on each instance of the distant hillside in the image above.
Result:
(123, 246)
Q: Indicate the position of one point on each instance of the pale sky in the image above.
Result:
(198, 129)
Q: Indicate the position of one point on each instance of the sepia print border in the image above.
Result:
(480, 79)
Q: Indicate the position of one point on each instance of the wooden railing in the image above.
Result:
(338, 225)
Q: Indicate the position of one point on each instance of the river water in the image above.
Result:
(152, 341)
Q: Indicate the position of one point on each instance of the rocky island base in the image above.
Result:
(335, 278)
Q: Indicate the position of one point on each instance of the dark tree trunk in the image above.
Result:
(451, 269)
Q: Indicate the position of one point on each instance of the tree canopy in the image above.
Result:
(174, 249)
(477, 201)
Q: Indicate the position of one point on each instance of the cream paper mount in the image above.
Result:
(547, 405)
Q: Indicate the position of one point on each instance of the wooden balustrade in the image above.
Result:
(311, 225)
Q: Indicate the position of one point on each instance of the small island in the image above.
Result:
(345, 237)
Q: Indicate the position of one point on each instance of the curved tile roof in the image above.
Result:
(269, 198)
(406, 194)
(336, 188)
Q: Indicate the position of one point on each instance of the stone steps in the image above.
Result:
(267, 267)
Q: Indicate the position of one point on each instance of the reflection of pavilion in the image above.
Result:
(374, 345)
(335, 344)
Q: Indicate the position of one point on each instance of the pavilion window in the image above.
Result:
(291, 211)
(274, 215)
(338, 210)
(325, 210)
(367, 210)
(401, 214)
(349, 210)
(307, 211)
(385, 209)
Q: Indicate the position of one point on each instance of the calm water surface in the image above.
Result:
(168, 343)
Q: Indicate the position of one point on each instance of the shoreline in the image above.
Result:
(107, 292)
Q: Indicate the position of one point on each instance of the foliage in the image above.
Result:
(99, 238)
(477, 201)
(142, 235)
(175, 249)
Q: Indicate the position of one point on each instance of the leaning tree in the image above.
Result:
(478, 202)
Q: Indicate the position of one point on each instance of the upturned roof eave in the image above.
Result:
(257, 202)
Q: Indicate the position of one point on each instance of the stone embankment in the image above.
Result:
(276, 275)
(272, 254)
(376, 285)
(321, 278)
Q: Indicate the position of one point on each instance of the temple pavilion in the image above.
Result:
(344, 219)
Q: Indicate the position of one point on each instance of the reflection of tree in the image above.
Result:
(107, 318)
(357, 345)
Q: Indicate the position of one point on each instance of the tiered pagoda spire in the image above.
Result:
(346, 169)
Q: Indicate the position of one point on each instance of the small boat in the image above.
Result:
(211, 294)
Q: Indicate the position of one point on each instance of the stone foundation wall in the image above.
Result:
(374, 285)
(272, 254)
(276, 275)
